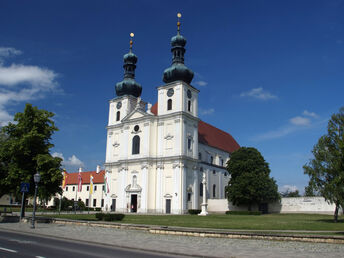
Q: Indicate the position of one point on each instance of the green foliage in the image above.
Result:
(250, 181)
(109, 216)
(291, 194)
(194, 211)
(24, 150)
(326, 169)
(67, 204)
(243, 213)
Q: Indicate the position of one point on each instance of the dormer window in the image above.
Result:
(118, 116)
(169, 104)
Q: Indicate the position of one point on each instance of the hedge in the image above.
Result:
(194, 211)
(243, 212)
(109, 216)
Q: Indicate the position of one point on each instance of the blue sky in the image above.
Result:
(269, 72)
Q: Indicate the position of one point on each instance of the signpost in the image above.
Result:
(24, 188)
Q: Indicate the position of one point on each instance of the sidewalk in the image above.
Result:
(177, 244)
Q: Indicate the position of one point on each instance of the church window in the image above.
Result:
(67, 189)
(86, 203)
(103, 188)
(136, 144)
(118, 116)
(211, 159)
(200, 156)
(136, 128)
(221, 162)
(214, 191)
(189, 105)
(214, 172)
(200, 189)
(73, 188)
(102, 203)
(88, 188)
(95, 188)
(94, 202)
(189, 144)
(169, 104)
(189, 197)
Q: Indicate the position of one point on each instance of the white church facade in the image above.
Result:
(156, 155)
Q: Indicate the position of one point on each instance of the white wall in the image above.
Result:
(288, 205)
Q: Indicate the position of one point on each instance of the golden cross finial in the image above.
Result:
(179, 15)
(131, 40)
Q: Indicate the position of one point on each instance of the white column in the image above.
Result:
(144, 192)
(195, 141)
(124, 143)
(146, 139)
(158, 199)
(177, 138)
(160, 138)
(176, 188)
(220, 184)
(195, 188)
(184, 193)
(121, 190)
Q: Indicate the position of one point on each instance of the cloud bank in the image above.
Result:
(258, 93)
(72, 161)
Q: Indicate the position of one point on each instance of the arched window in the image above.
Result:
(169, 104)
(200, 189)
(118, 115)
(136, 144)
(189, 105)
(214, 191)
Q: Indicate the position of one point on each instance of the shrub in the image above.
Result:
(243, 212)
(109, 216)
(194, 211)
(98, 209)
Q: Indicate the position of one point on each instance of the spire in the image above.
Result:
(178, 71)
(129, 86)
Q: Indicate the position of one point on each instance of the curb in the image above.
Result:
(164, 230)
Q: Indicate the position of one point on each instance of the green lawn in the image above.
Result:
(263, 222)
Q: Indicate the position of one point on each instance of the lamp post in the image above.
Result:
(36, 178)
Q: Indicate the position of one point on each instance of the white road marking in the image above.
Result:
(8, 250)
(40, 257)
(21, 241)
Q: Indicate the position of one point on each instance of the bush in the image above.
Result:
(194, 211)
(109, 216)
(98, 209)
(243, 212)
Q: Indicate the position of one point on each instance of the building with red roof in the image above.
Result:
(163, 158)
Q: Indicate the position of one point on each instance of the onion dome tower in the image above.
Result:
(129, 86)
(178, 71)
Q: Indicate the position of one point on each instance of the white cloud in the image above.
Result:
(310, 114)
(21, 83)
(300, 121)
(72, 161)
(9, 51)
(207, 111)
(288, 188)
(258, 93)
(201, 83)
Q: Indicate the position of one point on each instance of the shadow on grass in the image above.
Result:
(331, 221)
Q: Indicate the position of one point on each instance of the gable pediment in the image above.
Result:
(136, 114)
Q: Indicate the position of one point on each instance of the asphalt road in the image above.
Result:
(27, 245)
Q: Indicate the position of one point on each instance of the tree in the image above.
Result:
(24, 150)
(291, 193)
(250, 181)
(326, 169)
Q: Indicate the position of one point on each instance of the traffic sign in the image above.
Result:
(24, 187)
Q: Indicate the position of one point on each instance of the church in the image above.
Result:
(156, 155)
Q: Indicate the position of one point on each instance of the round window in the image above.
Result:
(136, 128)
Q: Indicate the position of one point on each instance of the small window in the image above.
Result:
(102, 203)
(200, 189)
(221, 162)
(136, 128)
(169, 104)
(211, 159)
(86, 203)
(67, 189)
(136, 145)
(73, 188)
(118, 116)
(94, 202)
(200, 156)
(95, 188)
(214, 172)
(189, 144)
(88, 188)
(214, 191)
(103, 188)
(189, 197)
(201, 169)
(189, 105)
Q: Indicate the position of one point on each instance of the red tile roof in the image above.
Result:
(210, 135)
(72, 178)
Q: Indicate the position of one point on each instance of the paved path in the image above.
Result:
(198, 246)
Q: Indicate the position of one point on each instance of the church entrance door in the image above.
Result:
(168, 206)
(133, 203)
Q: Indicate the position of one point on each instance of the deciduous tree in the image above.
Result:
(250, 181)
(326, 169)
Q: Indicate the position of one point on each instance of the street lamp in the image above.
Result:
(36, 178)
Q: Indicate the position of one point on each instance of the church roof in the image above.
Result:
(211, 136)
(72, 178)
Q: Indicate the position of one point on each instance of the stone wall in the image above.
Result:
(287, 205)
